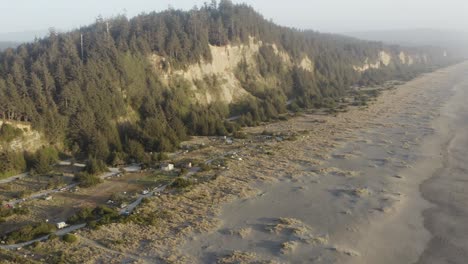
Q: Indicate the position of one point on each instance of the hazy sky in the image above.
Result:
(322, 15)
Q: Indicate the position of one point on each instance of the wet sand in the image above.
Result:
(447, 218)
(391, 191)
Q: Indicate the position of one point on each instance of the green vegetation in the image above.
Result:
(106, 100)
(89, 177)
(87, 180)
(148, 219)
(94, 167)
(7, 212)
(16, 162)
(158, 178)
(11, 257)
(205, 167)
(43, 160)
(29, 232)
(181, 183)
(220, 162)
(69, 238)
(8, 132)
(101, 215)
(240, 135)
(11, 163)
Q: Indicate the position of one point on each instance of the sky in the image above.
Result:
(323, 15)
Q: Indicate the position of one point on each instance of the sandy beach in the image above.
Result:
(385, 186)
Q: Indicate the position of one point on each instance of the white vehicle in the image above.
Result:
(145, 192)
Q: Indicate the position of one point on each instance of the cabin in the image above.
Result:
(167, 167)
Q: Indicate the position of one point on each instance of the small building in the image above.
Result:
(167, 167)
(48, 198)
(61, 225)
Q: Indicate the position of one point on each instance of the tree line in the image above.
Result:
(100, 98)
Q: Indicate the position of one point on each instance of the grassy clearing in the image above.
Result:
(158, 178)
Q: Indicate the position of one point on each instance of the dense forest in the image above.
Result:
(94, 93)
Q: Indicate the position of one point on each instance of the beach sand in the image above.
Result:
(390, 189)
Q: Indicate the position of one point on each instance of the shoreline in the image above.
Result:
(447, 216)
(402, 243)
(379, 238)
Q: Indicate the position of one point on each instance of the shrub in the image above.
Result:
(162, 156)
(95, 166)
(11, 163)
(8, 132)
(152, 219)
(69, 238)
(183, 171)
(205, 167)
(136, 150)
(93, 224)
(181, 183)
(6, 212)
(99, 215)
(42, 161)
(86, 180)
(294, 107)
(239, 135)
(29, 232)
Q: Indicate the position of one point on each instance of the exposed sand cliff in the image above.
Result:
(30, 141)
(224, 65)
(385, 59)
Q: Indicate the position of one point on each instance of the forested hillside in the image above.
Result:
(122, 87)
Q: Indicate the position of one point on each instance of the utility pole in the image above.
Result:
(107, 27)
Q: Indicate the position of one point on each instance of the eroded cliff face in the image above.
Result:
(405, 58)
(223, 66)
(226, 59)
(385, 59)
(30, 141)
